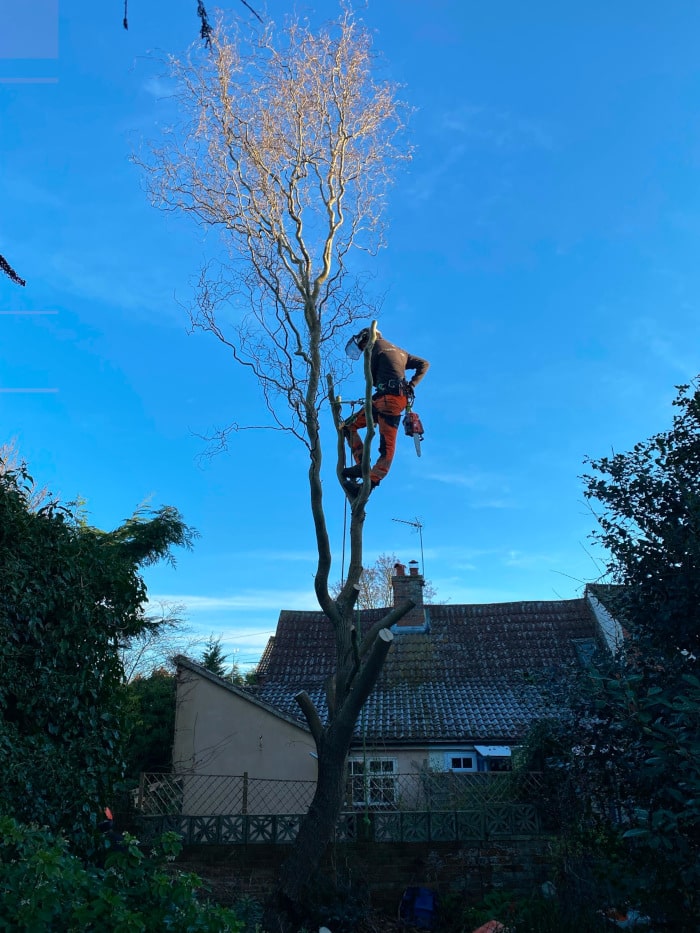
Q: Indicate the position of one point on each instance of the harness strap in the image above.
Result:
(393, 387)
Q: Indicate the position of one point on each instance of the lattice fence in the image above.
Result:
(216, 794)
(229, 795)
(384, 807)
(452, 790)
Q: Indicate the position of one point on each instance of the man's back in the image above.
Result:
(390, 362)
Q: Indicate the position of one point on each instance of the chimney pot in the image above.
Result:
(409, 586)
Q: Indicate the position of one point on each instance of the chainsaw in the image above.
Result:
(413, 427)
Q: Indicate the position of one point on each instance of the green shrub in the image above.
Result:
(70, 597)
(45, 887)
(535, 914)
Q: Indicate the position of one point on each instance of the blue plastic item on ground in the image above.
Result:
(419, 907)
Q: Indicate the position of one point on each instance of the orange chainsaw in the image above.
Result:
(413, 427)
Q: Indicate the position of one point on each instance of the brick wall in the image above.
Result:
(516, 865)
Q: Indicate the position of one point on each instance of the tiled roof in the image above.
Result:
(434, 712)
(481, 672)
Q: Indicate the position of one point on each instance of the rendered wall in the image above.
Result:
(219, 732)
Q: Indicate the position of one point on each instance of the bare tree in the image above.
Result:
(163, 637)
(287, 145)
(376, 590)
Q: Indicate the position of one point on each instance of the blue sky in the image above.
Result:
(542, 254)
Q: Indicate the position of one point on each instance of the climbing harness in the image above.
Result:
(394, 387)
(353, 403)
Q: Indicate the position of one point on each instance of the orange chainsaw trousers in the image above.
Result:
(386, 413)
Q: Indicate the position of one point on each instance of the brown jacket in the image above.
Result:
(389, 364)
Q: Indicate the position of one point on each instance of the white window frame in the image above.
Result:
(373, 781)
(461, 754)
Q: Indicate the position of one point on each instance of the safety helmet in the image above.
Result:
(358, 342)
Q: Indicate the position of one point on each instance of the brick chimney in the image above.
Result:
(409, 586)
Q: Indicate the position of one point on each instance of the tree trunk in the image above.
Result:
(359, 660)
(289, 909)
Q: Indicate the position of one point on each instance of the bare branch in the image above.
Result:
(7, 269)
(164, 636)
(310, 714)
(287, 146)
(368, 673)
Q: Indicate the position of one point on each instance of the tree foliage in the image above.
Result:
(214, 660)
(43, 886)
(213, 657)
(11, 462)
(69, 597)
(149, 723)
(650, 525)
(636, 760)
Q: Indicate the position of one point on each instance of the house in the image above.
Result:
(459, 690)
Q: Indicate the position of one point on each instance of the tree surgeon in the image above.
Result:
(388, 365)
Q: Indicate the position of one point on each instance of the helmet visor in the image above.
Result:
(352, 349)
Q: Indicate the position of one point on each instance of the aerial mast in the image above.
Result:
(418, 525)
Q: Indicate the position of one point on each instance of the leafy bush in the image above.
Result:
(150, 723)
(44, 887)
(623, 776)
(340, 901)
(536, 914)
(249, 912)
(645, 738)
(69, 597)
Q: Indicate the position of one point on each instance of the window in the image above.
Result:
(461, 763)
(372, 782)
(458, 759)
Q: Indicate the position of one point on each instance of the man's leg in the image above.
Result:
(352, 437)
(389, 409)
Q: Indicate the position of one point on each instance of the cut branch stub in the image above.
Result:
(311, 715)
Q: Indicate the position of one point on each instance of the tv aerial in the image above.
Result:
(418, 525)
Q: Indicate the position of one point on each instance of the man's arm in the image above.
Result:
(421, 368)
